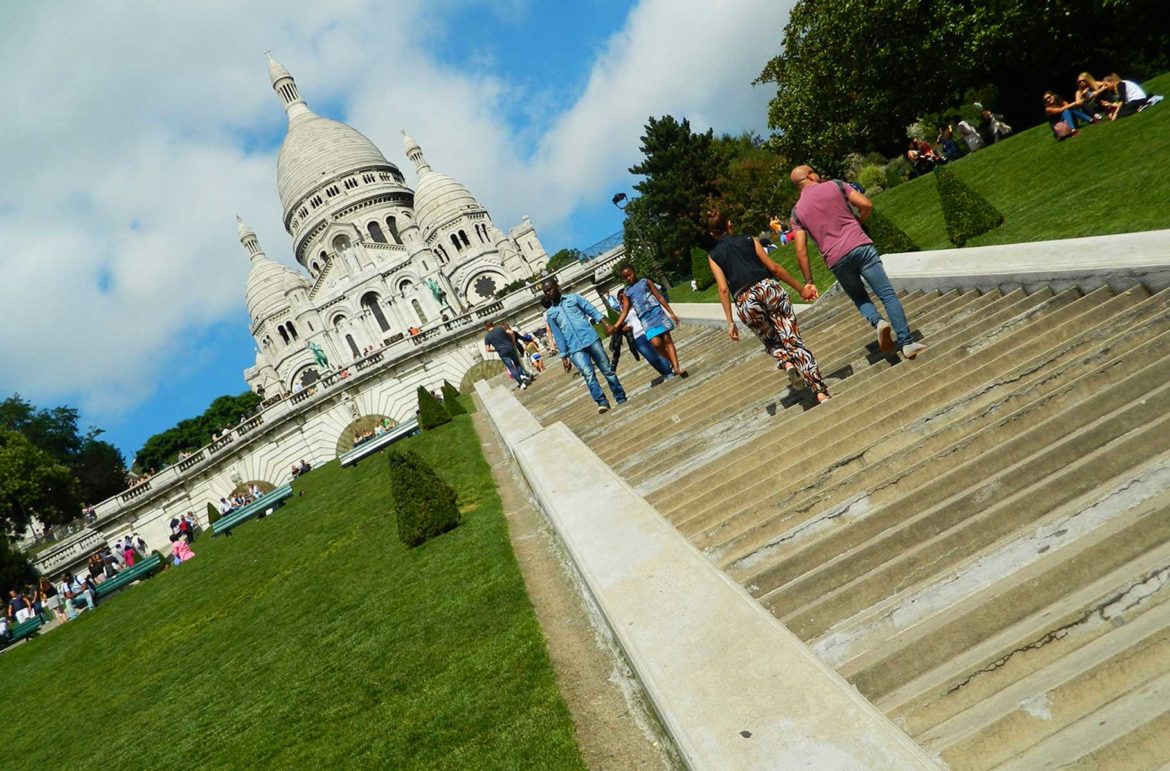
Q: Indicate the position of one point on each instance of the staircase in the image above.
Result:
(978, 540)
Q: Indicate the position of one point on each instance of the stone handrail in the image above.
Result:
(191, 460)
(136, 490)
(67, 551)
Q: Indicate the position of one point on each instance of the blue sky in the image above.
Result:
(135, 132)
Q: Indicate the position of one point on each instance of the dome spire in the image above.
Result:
(249, 240)
(286, 88)
(414, 153)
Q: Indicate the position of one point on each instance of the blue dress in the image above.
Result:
(650, 311)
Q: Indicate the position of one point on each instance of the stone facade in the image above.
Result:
(381, 259)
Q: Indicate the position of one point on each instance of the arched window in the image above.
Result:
(338, 320)
(341, 242)
(481, 231)
(463, 238)
(422, 317)
(324, 256)
(353, 347)
(442, 254)
(283, 334)
(372, 301)
(406, 287)
(292, 331)
(455, 243)
(315, 268)
(392, 226)
(376, 233)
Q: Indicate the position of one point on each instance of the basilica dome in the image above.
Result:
(269, 283)
(438, 198)
(317, 149)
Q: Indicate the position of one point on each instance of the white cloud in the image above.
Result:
(123, 163)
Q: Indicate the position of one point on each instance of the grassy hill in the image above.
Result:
(1112, 178)
(309, 638)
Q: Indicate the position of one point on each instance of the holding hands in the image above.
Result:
(809, 293)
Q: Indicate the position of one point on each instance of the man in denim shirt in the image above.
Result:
(571, 319)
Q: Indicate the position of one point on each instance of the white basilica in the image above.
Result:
(381, 258)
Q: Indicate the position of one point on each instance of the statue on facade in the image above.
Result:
(437, 291)
(318, 354)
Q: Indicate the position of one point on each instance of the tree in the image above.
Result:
(16, 571)
(424, 505)
(451, 400)
(967, 213)
(679, 172)
(562, 258)
(430, 413)
(164, 447)
(97, 464)
(33, 484)
(852, 74)
(754, 184)
(701, 269)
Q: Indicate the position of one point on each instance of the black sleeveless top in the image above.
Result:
(736, 257)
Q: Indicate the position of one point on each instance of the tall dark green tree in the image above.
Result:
(97, 464)
(33, 485)
(679, 172)
(562, 258)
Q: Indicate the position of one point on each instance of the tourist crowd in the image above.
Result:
(1094, 100)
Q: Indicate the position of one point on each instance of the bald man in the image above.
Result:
(825, 212)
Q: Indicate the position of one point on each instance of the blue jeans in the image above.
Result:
(584, 360)
(652, 356)
(864, 262)
(513, 367)
(1070, 114)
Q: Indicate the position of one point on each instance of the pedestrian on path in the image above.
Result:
(824, 212)
(501, 340)
(571, 318)
(743, 270)
(639, 344)
(654, 312)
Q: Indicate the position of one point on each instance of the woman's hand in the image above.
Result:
(733, 332)
(809, 293)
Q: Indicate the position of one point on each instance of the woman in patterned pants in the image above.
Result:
(766, 309)
(743, 270)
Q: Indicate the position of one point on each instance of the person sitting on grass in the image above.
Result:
(654, 312)
(1096, 97)
(1061, 112)
(1131, 97)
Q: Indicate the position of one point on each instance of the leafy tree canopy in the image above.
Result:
(98, 466)
(33, 484)
(192, 433)
(562, 258)
(853, 74)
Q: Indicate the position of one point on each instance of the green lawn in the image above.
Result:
(1112, 178)
(312, 638)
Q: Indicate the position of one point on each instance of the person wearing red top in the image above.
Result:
(824, 212)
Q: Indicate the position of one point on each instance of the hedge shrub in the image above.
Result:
(431, 413)
(424, 505)
(888, 237)
(212, 513)
(701, 269)
(872, 178)
(451, 400)
(967, 213)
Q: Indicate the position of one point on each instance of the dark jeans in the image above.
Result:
(513, 367)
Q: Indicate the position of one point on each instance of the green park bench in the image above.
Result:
(370, 446)
(142, 569)
(269, 500)
(22, 631)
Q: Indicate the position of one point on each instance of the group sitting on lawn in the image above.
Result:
(1095, 100)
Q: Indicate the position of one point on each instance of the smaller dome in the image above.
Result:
(439, 199)
(268, 286)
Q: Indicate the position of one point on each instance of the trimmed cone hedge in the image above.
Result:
(451, 400)
(967, 213)
(887, 237)
(701, 269)
(431, 413)
(424, 505)
(212, 513)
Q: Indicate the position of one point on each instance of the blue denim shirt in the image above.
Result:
(571, 323)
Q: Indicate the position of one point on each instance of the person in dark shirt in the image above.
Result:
(502, 341)
(743, 270)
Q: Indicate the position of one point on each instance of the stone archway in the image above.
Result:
(484, 370)
(364, 423)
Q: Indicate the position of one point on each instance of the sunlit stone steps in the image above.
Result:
(978, 540)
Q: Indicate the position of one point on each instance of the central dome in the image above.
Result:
(317, 149)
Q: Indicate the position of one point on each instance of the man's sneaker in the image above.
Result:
(912, 350)
(795, 380)
(885, 334)
(523, 385)
(602, 409)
